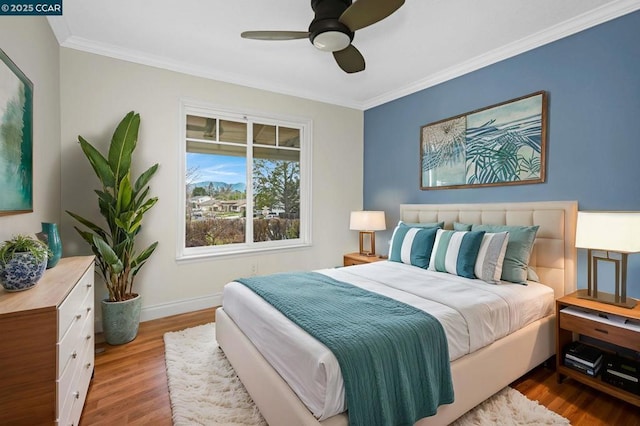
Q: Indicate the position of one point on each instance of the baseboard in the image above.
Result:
(172, 308)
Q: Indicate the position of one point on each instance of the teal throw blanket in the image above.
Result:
(393, 357)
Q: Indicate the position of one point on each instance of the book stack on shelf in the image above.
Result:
(584, 358)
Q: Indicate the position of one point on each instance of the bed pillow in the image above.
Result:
(516, 259)
(455, 252)
(412, 245)
(491, 257)
(424, 224)
(457, 226)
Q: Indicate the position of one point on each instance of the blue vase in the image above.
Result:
(50, 230)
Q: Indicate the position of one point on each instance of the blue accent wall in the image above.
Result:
(593, 135)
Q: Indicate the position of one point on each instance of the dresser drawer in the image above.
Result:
(81, 327)
(69, 310)
(598, 330)
(72, 400)
(72, 342)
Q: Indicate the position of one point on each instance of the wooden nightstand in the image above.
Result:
(569, 324)
(351, 259)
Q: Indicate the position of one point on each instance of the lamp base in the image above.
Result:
(608, 298)
(371, 251)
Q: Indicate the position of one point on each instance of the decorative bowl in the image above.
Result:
(22, 272)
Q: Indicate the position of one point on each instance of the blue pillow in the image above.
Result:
(412, 245)
(455, 252)
(516, 258)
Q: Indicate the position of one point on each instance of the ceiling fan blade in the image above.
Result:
(363, 13)
(349, 59)
(275, 35)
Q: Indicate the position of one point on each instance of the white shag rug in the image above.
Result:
(204, 390)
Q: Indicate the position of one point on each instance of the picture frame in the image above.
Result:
(16, 139)
(502, 144)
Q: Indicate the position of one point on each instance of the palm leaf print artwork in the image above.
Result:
(444, 156)
(498, 145)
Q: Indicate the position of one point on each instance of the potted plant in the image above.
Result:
(23, 261)
(122, 203)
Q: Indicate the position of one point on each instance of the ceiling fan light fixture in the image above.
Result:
(331, 41)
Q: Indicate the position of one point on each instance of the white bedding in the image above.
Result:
(472, 312)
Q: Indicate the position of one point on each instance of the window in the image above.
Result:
(246, 180)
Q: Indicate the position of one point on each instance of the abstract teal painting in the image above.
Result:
(16, 139)
(503, 144)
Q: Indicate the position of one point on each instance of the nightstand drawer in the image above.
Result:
(351, 259)
(350, 262)
(612, 334)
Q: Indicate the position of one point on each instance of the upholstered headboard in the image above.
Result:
(554, 254)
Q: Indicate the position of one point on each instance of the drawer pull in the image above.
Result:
(74, 355)
(76, 395)
(89, 309)
(88, 337)
(88, 366)
(601, 330)
(78, 316)
(89, 285)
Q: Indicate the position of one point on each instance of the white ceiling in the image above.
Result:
(424, 43)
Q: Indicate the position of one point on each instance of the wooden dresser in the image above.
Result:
(47, 346)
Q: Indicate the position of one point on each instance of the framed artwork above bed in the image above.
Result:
(502, 144)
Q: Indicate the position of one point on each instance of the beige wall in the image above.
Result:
(31, 45)
(96, 92)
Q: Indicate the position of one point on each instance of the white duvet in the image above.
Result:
(472, 313)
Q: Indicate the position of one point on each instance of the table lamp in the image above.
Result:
(608, 232)
(367, 222)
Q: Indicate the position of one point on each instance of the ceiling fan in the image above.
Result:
(333, 28)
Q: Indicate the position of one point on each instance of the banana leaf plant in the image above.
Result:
(122, 205)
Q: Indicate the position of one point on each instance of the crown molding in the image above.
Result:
(144, 58)
(60, 28)
(567, 28)
(582, 22)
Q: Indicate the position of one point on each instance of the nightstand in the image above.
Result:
(584, 317)
(351, 259)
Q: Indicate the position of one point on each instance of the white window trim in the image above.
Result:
(196, 107)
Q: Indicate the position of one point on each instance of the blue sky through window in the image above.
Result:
(217, 168)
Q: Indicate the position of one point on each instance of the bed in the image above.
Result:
(475, 376)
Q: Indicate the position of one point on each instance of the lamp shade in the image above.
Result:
(367, 221)
(609, 231)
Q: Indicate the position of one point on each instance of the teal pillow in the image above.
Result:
(516, 258)
(455, 252)
(457, 226)
(412, 245)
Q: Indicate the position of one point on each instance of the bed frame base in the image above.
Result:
(476, 376)
(500, 363)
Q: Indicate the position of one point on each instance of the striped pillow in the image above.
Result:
(456, 252)
(516, 259)
(412, 245)
(491, 257)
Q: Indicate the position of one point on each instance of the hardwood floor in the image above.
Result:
(129, 386)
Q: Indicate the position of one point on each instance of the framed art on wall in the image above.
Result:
(503, 144)
(16, 139)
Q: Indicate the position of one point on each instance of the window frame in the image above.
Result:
(203, 109)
